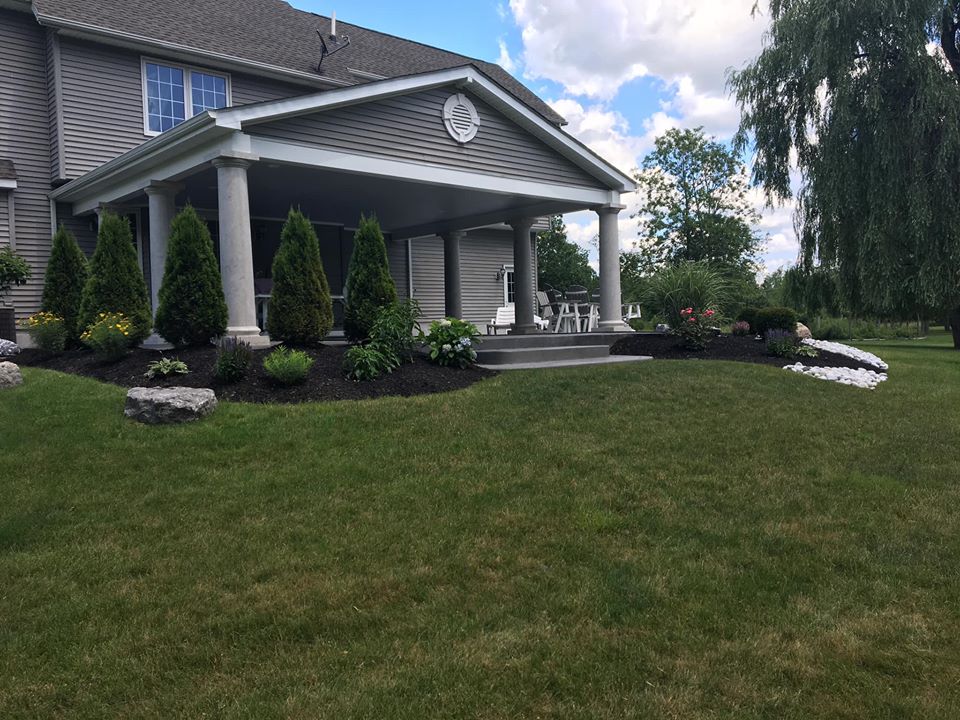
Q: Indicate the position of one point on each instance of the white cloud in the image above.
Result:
(505, 60)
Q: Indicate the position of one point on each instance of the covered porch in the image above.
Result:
(244, 168)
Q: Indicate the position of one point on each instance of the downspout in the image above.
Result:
(410, 269)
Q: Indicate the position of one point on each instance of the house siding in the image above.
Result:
(482, 252)
(411, 128)
(102, 89)
(397, 258)
(25, 139)
(4, 219)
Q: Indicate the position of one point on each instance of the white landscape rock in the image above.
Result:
(866, 379)
(803, 332)
(847, 351)
(8, 348)
(164, 406)
(10, 375)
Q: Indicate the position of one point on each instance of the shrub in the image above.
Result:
(116, 284)
(233, 360)
(288, 367)
(165, 368)
(774, 318)
(741, 328)
(749, 316)
(63, 283)
(301, 310)
(366, 362)
(694, 328)
(14, 271)
(191, 308)
(687, 285)
(394, 331)
(110, 336)
(49, 332)
(369, 285)
(451, 342)
(785, 344)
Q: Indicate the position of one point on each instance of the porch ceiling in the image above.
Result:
(404, 208)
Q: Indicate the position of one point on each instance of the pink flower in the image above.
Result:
(692, 320)
(710, 313)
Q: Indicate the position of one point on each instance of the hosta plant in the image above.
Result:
(166, 368)
(453, 342)
(781, 343)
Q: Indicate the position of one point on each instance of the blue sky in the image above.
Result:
(620, 71)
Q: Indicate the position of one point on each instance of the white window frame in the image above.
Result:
(508, 270)
(187, 89)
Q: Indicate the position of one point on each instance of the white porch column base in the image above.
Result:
(452, 289)
(523, 278)
(611, 304)
(236, 250)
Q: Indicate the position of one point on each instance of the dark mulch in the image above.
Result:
(725, 347)
(325, 381)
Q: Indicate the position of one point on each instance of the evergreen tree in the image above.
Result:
(63, 284)
(369, 285)
(192, 309)
(301, 310)
(116, 282)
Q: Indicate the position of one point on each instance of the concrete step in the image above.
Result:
(504, 342)
(550, 353)
(550, 364)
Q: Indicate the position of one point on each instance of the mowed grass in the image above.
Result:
(661, 540)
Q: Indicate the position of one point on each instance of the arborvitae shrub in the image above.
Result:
(116, 283)
(192, 308)
(301, 310)
(369, 284)
(64, 281)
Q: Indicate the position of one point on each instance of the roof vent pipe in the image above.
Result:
(333, 26)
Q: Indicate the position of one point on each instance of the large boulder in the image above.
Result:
(9, 375)
(165, 406)
(803, 332)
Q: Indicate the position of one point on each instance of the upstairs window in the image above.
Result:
(174, 93)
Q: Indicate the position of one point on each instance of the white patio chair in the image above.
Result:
(506, 317)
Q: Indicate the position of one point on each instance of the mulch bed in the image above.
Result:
(325, 381)
(725, 347)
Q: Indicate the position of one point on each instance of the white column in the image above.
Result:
(452, 290)
(161, 199)
(523, 277)
(611, 309)
(236, 249)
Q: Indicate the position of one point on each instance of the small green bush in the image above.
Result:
(366, 362)
(369, 286)
(301, 309)
(695, 328)
(116, 283)
(688, 285)
(774, 318)
(63, 283)
(288, 367)
(110, 336)
(394, 332)
(14, 271)
(233, 360)
(192, 309)
(453, 342)
(48, 331)
(785, 344)
(165, 368)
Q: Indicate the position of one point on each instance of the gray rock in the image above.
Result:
(8, 348)
(165, 406)
(9, 375)
(803, 332)
(663, 328)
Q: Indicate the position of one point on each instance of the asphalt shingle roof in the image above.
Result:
(274, 33)
(7, 170)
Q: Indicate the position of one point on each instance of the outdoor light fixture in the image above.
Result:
(502, 272)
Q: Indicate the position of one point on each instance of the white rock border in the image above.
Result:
(847, 351)
(866, 379)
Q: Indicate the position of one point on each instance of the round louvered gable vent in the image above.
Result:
(460, 118)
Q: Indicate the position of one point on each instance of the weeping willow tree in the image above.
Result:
(864, 96)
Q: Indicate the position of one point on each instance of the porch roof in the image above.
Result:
(188, 149)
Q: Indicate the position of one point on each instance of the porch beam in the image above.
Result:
(480, 220)
(452, 290)
(523, 277)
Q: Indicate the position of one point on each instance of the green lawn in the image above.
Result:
(660, 540)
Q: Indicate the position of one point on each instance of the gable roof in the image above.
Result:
(271, 34)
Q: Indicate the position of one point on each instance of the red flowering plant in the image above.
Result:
(695, 328)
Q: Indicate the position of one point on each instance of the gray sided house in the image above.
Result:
(246, 109)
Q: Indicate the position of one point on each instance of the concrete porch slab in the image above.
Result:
(550, 364)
